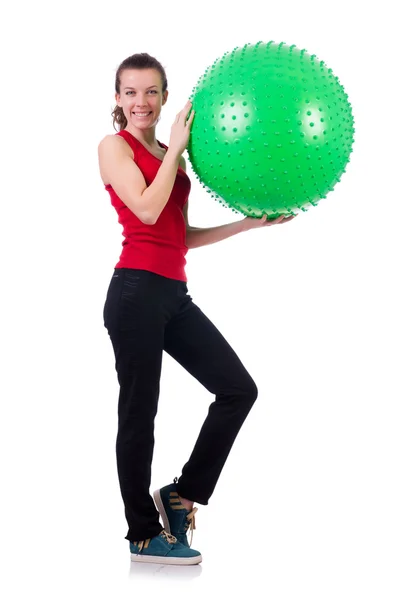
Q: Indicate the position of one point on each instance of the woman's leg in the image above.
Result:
(195, 343)
(134, 315)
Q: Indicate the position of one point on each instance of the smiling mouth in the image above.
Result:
(142, 114)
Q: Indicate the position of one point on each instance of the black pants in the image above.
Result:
(144, 314)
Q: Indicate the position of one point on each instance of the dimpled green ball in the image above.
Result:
(272, 131)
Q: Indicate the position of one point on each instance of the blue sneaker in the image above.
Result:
(177, 520)
(164, 549)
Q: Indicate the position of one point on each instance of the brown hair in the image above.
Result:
(136, 61)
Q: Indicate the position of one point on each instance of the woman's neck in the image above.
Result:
(146, 137)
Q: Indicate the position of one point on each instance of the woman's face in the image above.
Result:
(141, 97)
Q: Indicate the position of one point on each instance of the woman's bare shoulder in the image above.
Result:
(107, 148)
(115, 141)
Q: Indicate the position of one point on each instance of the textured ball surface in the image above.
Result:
(272, 131)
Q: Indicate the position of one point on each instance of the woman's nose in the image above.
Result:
(140, 100)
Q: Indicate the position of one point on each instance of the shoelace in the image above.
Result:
(191, 523)
(170, 539)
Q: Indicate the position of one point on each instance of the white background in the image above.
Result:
(306, 504)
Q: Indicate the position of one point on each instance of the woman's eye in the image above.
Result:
(130, 92)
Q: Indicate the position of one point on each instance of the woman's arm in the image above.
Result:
(125, 177)
(196, 237)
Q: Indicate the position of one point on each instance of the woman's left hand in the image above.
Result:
(252, 223)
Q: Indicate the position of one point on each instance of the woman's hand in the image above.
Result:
(180, 130)
(252, 223)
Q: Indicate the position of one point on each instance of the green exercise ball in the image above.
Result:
(272, 131)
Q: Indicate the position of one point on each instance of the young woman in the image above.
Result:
(148, 310)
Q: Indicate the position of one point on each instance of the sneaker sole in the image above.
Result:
(160, 507)
(165, 560)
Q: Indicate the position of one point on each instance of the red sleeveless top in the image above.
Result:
(161, 247)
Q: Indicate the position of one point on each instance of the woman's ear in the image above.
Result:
(165, 96)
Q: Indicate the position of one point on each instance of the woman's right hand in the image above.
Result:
(180, 130)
